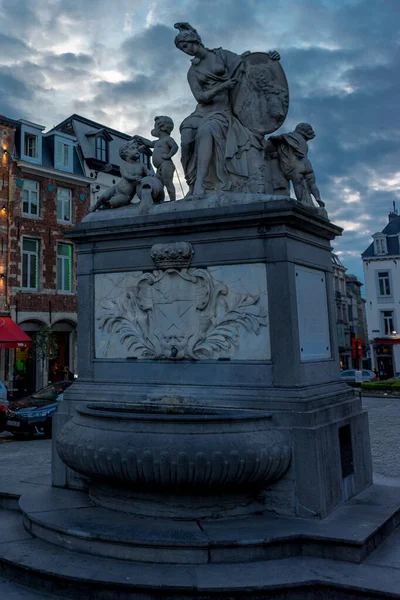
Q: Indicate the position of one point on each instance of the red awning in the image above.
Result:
(12, 336)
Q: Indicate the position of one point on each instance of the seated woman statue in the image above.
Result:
(214, 143)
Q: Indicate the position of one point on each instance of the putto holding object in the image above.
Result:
(164, 149)
(293, 159)
(136, 178)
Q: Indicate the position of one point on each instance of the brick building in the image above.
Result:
(44, 192)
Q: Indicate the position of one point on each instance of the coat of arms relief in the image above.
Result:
(182, 313)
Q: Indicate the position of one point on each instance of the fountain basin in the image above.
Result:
(169, 448)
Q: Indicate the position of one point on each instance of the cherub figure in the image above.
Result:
(132, 172)
(164, 149)
(292, 149)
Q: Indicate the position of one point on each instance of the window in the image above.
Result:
(30, 198)
(64, 205)
(384, 283)
(64, 264)
(101, 149)
(350, 307)
(63, 154)
(380, 245)
(388, 322)
(31, 145)
(30, 258)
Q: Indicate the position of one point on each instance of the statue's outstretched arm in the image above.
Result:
(145, 141)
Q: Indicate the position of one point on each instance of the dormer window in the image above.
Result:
(31, 146)
(380, 245)
(63, 151)
(31, 142)
(101, 149)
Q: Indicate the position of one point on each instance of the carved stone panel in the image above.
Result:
(193, 314)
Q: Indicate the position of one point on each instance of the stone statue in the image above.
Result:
(136, 178)
(164, 149)
(220, 139)
(292, 150)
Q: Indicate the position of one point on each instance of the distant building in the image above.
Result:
(44, 193)
(381, 262)
(350, 315)
(98, 147)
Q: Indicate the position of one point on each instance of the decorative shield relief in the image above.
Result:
(180, 314)
(261, 98)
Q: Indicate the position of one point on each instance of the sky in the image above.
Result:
(115, 62)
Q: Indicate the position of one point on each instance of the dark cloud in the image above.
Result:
(71, 60)
(11, 47)
(153, 52)
(120, 67)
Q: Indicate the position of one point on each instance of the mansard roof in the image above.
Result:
(391, 232)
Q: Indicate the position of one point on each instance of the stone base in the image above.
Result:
(68, 519)
(180, 507)
(351, 554)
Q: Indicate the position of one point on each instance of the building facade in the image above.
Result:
(98, 147)
(44, 193)
(381, 263)
(350, 316)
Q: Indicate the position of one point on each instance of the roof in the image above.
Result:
(86, 131)
(6, 121)
(336, 261)
(92, 125)
(353, 279)
(391, 231)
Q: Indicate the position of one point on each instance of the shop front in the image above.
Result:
(387, 356)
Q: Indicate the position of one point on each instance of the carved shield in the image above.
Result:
(261, 98)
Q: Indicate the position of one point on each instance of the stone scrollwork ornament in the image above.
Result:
(181, 314)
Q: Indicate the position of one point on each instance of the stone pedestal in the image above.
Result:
(219, 304)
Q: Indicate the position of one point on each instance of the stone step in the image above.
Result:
(68, 519)
(48, 568)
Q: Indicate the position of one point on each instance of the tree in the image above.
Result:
(45, 346)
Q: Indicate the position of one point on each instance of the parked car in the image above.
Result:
(3, 393)
(349, 376)
(33, 414)
(3, 406)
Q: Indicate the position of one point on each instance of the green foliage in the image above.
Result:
(389, 385)
(45, 344)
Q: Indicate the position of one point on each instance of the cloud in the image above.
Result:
(117, 63)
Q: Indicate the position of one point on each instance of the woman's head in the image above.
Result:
(187, 40)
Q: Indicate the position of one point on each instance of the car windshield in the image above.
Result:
(50, 392)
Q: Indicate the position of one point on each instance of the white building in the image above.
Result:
(381, 262)
(98, 147)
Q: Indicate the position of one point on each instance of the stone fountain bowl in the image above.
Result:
(160, 447)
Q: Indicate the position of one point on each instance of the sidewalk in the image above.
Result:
(22, 465)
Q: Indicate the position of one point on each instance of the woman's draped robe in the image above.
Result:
(232, 141)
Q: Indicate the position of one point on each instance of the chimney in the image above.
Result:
(394, 214)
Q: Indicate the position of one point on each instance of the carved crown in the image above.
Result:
(174, 255)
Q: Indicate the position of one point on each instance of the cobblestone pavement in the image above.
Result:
(32, 457)
(384, 428)
(30, 461)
